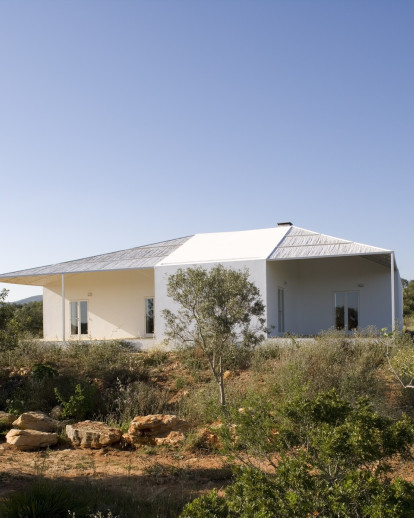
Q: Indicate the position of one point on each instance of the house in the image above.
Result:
(308, 281)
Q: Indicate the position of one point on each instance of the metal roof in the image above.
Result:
(290, 243)
(133, 258)
(299, 243)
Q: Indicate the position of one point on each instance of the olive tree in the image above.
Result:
(219, 310)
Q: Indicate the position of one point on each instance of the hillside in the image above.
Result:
(119, 383)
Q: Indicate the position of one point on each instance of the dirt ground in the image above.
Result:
(156, 472)
(153, 473)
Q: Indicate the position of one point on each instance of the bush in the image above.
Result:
(293, 492)
(124, 402)
(353, 365)
(208, 506)
(331, 461)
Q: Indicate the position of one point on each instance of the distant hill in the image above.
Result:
(35, 298)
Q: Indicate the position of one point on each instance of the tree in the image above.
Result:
(219, 311)
(30, 317)
(408, 297)
(6, 310)
(9, 327)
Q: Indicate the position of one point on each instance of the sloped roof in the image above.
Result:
(280, 243)
(133, 258)
(217, 247)
(299, 243)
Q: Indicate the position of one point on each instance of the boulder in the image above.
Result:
(156, 429)
(36, 421)
(30, 439)
(6, 419)
(92, 434)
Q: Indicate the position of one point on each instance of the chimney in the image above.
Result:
(284, 224)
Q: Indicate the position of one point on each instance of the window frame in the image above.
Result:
(149, 318)
(346, 310)
(79, 322)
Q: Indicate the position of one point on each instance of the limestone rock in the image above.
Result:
(6, 419)
(92, 434)
(36, 421)
(156, 429)
(30, 439)
(172, 439)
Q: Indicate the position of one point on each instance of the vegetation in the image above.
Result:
(18, 320)
(220, 312)
(408, 299)
(312, 427)
(328, 459)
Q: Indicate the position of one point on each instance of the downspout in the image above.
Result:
(63, 307)
(392, 293)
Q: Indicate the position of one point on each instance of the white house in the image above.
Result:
(308, 281)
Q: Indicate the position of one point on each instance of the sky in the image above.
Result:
(128, 122)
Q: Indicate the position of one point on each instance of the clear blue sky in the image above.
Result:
(124, 123)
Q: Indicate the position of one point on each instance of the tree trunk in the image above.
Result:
(222, 393)
(221, 384)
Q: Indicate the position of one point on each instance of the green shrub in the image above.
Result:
(80, 404)
(293, 492)
(209, 506)
(41, 371)
(331, 461)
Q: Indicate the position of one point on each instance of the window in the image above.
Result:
(346, 310)
(79, 317)
(149, 316)
(281, 310)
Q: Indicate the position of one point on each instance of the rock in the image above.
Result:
(30, 439)
(156, 429)
(227, 375)
(6, 419)
(36, 421)
(92, 434)
(56, 412)
(172, 439)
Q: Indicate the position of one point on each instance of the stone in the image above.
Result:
(92, 434)
(30, 439)
(36, 421)
(156, 429)
(172, 439)
(56, 412)
(6, 418)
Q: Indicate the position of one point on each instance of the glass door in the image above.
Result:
(78, 318)
(346, 310)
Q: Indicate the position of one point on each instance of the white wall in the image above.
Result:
(116, 300)
(116, 303)
(282, 274)
(257, 274)
(310, 285)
